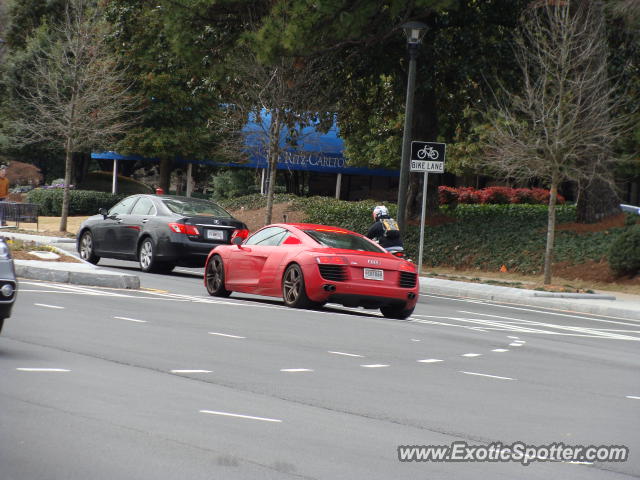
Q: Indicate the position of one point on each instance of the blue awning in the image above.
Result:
(314, 151)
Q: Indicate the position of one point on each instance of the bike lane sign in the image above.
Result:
(427, 166)
(427, 157)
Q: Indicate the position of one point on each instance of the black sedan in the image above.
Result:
(8, 284)
(160, 231)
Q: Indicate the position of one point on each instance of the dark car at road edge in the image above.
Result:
(159, 231)
(8, 282)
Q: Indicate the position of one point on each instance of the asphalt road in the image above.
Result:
(168, 383)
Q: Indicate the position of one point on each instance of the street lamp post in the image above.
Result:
(414, 32)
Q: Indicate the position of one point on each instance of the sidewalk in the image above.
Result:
(67, 272)
(621, 305)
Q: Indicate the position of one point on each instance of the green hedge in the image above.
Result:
(103, 182)
(481, 236)
(81, 202)
(624, 253)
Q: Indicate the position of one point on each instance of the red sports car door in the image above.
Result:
(248, 261)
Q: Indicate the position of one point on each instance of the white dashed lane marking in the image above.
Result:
(295, 370)
(190, 371)
(633, 397)
(500, 350)
(28, 369)
(471, 355)
(225, 335)
(486, 375)
(430, 360)
(375, 365)
(48, 306)
(130, 319)
(237, 415)
(346, 354)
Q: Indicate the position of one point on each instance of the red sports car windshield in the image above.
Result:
(334, 239)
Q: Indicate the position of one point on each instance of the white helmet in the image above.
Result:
(380, 211)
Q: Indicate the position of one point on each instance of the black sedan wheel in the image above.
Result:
(396, 312)
(214, 276)
(148, 260)
(293, 289)
(86, 248)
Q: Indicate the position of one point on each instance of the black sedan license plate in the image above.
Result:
(373, 274)
(215, 235)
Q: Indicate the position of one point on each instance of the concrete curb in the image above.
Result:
(586, 303)
(94, 277)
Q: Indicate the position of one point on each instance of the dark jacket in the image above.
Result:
(376, 232)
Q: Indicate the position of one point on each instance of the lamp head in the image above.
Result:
(414, 31)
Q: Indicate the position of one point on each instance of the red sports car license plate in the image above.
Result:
(373, 274)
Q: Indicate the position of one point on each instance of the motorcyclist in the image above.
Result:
(388, 238)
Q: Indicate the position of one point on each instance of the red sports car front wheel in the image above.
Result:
(214, 278)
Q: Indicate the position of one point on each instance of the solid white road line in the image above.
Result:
(548, 311)
(48, 306)
(500, 350)
(375, 365)
(190, 371)
(346, 354)
(43, 370)
(225, 335)
(486, 375)
(296, 370)
(471, 355)
(633, 397)
(130, 319)
(249, 417)
(430, 360)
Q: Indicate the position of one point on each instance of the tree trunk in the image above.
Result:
(425, 122)
(551, 231)
(597, 200)
(166, 165)
(274, 150)
(68, 170)
(81, 163)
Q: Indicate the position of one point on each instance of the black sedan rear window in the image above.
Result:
(195, 207)
(335, 239)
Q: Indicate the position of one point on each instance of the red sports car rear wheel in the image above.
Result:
(396, 312)
(214, 276)
(293, 289)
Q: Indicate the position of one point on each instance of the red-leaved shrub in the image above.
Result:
(495, 195)
(447, 195)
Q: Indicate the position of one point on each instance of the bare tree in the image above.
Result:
(282, 98)
(564, 123)
(75, 95)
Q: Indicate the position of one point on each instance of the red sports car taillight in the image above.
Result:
(240, 233)
(182, 228)
(332, 260)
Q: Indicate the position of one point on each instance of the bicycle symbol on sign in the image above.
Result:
(428, 151)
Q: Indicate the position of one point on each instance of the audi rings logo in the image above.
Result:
(374, 262)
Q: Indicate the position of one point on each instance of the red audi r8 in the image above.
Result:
(310, 265)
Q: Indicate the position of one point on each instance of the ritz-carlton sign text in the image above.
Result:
(312, 159)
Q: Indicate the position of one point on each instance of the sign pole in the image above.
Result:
(422, 219)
